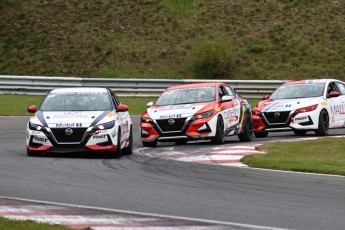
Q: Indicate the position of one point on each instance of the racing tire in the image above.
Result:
(247, 131)
(323, 128)
(261, 134)
(220, 137)
(150, 144)
(299, 132)
(129, 149)
(118, 152)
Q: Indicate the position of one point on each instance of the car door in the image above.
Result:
(230, 110)
(336, 105)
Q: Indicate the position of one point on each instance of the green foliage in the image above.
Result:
(213, 60)
(255, 48)
(180, 7)
(290, 39)
(4, 3)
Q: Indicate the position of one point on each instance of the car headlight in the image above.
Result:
(146, 120)
(204, 114)
(307, 109)
(33, 126)
(103, 126)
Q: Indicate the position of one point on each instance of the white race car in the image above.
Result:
(196, 112)
(302, 106)
(79, 119)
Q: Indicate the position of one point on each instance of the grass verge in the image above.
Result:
(15, 105)
(28, 225)
(324, 155)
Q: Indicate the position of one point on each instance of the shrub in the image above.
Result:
(213, 60)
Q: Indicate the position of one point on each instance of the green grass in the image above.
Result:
(27, 225)
(324, 155)
(16, 105)
(159, 38)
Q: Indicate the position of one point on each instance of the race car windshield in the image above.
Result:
(298, 91)
(76, 102)
(187, 96)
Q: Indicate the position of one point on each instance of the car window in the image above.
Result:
(230, 91)
(222, 92)
(332, 87)
(341, 87)
(115, 99)
(298, 91)
(186, 96)
(81, 101)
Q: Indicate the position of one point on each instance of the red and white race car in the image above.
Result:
(196, 111)
(302, 106)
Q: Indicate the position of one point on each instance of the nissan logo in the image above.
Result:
(171, 121)
(68, 131)
(276, 114)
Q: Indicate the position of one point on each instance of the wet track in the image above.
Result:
(152, 185)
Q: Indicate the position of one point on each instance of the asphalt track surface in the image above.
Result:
(150, 185)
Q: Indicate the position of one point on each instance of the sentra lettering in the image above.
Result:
(104, 136)
(338, 109)
(300, 118)
(40, 139)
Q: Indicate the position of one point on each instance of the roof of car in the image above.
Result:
(80, 90)
(195, 85)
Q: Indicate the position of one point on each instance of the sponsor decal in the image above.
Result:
(70, 115)
(67, 125)
(40, 140)
(100, 137)
(301, 118)
(276, 105)
(113, 133)
(338, 109)
(231, 113)
(124, 127)
(233, 118)
(173, 107)
(170, 116)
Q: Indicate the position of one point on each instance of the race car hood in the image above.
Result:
(286, 104)
(174, 111)
(72, 119)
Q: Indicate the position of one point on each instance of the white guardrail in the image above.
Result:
(31, 85)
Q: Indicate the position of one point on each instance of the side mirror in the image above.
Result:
(148, 105)
(226, 98)
(32, 109)
(122, 108)
(265, 97)
(334, 94)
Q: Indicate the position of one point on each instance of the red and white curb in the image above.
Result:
(82, 217)
(221, 155)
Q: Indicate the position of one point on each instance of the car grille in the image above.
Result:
(175, 127)
(277, 117)
(62, 137)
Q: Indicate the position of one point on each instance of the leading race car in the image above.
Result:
(196, 111)
(302, 106)
(80, 119)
